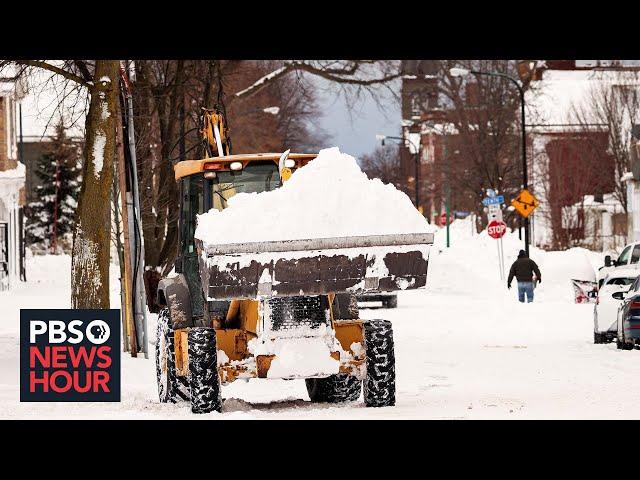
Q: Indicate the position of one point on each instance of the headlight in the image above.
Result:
(290, 163)
(236, 166)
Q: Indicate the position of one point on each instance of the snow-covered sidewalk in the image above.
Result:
(465, 348)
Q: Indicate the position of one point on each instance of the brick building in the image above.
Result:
(572, 168)
(431, 139)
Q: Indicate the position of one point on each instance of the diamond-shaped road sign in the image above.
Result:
(525, 203)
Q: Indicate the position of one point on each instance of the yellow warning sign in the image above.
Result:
(525, 203)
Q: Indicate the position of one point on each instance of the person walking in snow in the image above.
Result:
(523, 269)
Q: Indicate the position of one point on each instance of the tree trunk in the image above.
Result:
(91, 236)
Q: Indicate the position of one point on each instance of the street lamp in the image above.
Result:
(416, 154)
(463, 72)
(270, 110)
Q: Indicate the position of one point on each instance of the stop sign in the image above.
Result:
(496, 229)
(443, 219)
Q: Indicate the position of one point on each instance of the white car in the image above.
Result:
(605, 311)
(629, 259)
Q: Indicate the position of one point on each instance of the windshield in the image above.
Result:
(256, 177)
(620, 281)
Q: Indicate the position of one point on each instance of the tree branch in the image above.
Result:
(52, 68)
(82, 66)
(344, 75)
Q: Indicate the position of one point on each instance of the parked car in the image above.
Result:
(605, 310)
(388, 299)
(628, 258)
(628, 324)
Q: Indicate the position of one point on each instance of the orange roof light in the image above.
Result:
(213, 166)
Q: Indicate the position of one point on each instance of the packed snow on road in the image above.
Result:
(465, 349)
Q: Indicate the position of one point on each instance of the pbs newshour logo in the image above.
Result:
(69, 356)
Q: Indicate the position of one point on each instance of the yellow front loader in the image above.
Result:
(274, 309)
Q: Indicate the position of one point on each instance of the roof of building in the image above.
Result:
(553, 100)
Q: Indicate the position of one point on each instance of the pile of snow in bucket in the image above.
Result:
(329, 197)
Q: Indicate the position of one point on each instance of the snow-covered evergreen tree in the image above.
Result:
(51, 217)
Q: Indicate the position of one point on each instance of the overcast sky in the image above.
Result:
(356, 134)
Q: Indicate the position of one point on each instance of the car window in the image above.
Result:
(620, 281)
(635, 256)
(624, 256)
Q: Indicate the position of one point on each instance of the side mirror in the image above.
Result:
(619, 295)
(607, 261)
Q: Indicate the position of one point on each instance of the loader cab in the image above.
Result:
(210, 183)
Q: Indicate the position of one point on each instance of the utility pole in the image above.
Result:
(447, 201)
(54, 242)
(129, 334)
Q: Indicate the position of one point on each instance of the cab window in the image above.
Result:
(256, 177)
(635, 255)
(192, 205)
(623, 259)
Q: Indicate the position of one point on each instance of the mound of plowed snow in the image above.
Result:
(329, 197)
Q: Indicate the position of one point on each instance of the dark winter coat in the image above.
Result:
(523, 269)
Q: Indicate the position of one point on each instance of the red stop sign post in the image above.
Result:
(442, 219)
(496, 229)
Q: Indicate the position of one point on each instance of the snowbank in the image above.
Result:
(474, 257)
(329, 197)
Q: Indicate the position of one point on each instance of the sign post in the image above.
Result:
(496, 229)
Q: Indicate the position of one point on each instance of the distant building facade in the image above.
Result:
(573, 171)
(570, 167)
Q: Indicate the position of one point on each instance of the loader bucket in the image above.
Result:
(381, 263)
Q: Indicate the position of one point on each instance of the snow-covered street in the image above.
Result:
(465, 349)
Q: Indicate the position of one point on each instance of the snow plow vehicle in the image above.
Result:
(274, 309)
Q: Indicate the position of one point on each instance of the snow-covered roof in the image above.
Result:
(18, 172)
(610, 203)
(552, 99)
(39, 105)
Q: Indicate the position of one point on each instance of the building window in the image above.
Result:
(416, 105)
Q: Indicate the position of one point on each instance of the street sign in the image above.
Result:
(442, 220)
(496, 229)
(497, 200)
(494, 212)
(525, 203)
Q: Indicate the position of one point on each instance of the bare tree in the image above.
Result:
(613, 105)
(91, 237)
(484, 112)
(384, 163)
(568, 168)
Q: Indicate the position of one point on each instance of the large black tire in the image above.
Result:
(171, 388)
(391, 302)
(599, 338)
(334, 389)
(380, 381)
(203, 371)
(626, 345)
